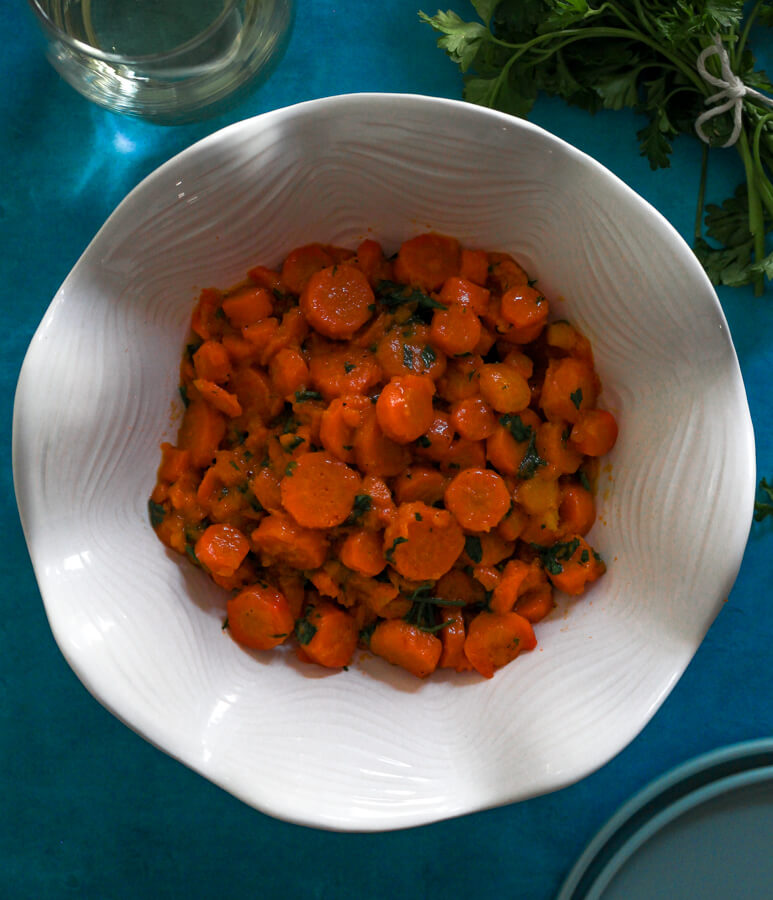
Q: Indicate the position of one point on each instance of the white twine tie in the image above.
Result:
(732, 92)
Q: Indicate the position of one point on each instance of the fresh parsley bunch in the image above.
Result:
(641, 54)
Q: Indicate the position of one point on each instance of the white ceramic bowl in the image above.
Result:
(373, 748)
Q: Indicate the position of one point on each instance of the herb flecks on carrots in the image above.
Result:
(393, 453)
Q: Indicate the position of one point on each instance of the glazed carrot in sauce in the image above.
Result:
(392, 452)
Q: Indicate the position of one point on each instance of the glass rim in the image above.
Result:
(119, 58)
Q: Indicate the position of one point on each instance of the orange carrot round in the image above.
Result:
(363, 551)
(278, 539)
(337, 301)
(570, 386)
(406, 646)
(427, 260)
(221, 549)
(595, 432)
(456, 329)
(319, 490)
(504, 388)
(494, 640)
(404, 407)
(422, 542)
(260, 617)
(473, 419)
(301, 263)
(327, 634)
(478, 498)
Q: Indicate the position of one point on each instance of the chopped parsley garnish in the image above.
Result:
(553, 557)
(304, 630)
(392, 294)
(348, 366)
(764, 508)
(294, 442)
(408, 356)
(390, 553)
(428, 356)
(156, 512)
(303, 395)
(184, 395)
(362, 503)
(582, 477)
(531, 459)
(290, 468)
(473, 548)
(576, 397)
(423, 441)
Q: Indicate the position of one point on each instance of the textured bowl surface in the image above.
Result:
(373, 748)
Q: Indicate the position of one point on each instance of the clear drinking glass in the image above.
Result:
(166, 60)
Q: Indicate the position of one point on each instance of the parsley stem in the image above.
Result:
(756, 215)
(737, 50)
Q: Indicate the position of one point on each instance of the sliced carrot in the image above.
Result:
(436, 441)
(517, 578)
(204, 321)
(427, 260)
(202, 429)
(278, 539)
(267, 278)
(406, 646)
(460, 379)
(456, 329)
(466, 292)
(570, 387)
(370, 258)
(464, 454)
(375, 453)
(577, 509)
(288, 372)
(339, 424)
(319, 490)
(494, 640)
(474, 265)
(212, 363)
(504, 388)
(408, 350)
(327, 634)
(473, 418)
(221, 549)
(342, 370)
(572, 575)
(422, 542)
(382, 507)
(247, 305)
(174, 462)
(404, 407)
(452, 637)
(456, 585)
(505, 273)
(337, 301)
(595, 432)
(260, 617)
(363, 551)
(420, 483)
(553, 446)
(524, 307)
(535, 604)
(265, 487)
(478, 498)
(513, 524)
(301, 263)
(221, 399)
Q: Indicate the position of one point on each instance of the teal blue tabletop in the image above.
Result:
(89, 809)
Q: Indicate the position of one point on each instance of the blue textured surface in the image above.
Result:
(93, 811)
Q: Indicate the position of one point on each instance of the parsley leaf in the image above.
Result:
(764, 508)
(362, 503)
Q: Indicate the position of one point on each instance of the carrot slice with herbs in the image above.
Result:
(221, 399)
(221, 549)
(327, 634)
(406, 646)
(202, 429)
(478, 498)
(301, 263)
(427, 260)
(504, 388)
(248, 305)
(278, 539)
(404, 407)
(422, 542)
(260, 617)
(363, 552)
(337, 301)
(455, 330)
(595, 432)
(212, 363)
(473, 418)
(318, 490)
(495, 639)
